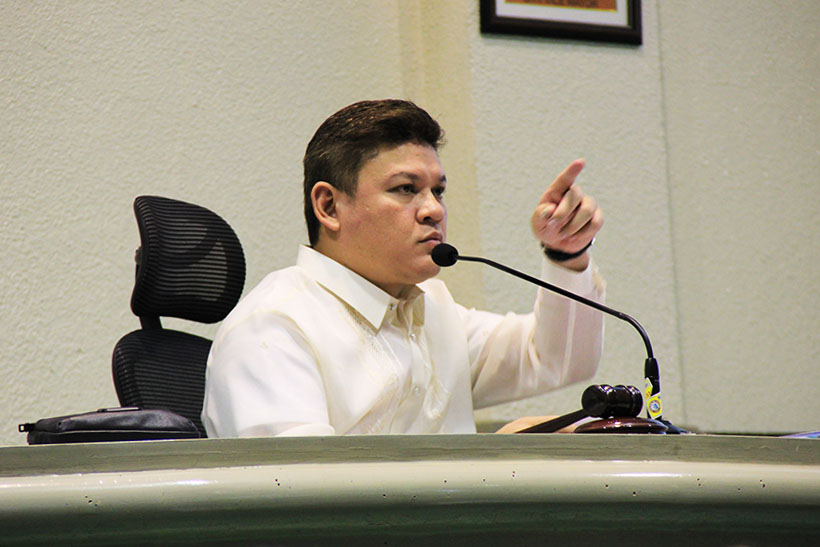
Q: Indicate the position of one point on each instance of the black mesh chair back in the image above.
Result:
(190, 265)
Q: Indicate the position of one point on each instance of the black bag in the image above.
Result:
(110, 424)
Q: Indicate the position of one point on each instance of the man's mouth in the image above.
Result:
(436, 238)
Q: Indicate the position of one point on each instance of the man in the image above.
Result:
(357, 338)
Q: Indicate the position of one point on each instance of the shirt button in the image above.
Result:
(412, 335)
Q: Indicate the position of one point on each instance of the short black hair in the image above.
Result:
(355, 134)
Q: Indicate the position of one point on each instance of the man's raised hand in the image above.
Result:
(566, 219)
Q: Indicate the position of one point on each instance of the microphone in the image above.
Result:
(445, 255)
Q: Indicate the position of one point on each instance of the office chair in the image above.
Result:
(190, 265)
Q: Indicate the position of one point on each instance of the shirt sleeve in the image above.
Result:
(262, 380)
(515, 356)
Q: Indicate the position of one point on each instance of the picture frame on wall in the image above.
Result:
(616, 21)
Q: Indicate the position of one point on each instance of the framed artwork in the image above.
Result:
(599, 20)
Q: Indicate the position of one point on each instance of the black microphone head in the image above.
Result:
(444, 255)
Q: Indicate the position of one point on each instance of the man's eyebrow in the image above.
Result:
(413, 176)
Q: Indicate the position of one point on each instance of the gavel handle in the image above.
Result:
(551, 426)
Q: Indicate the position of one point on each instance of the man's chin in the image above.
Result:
(428, 272)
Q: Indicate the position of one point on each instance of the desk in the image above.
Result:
(416, 490)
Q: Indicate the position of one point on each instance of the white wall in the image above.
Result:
(742, 92)
(702, 147)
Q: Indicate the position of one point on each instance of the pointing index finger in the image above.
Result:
(565, 180)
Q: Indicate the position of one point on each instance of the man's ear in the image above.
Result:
(323, 196)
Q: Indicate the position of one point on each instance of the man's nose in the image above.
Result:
(431, 209)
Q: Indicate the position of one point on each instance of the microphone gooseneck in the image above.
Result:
(446, 255)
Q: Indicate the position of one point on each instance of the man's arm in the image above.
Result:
(561, 342)
(516, 356)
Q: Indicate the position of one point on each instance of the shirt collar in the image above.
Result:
(356, 291)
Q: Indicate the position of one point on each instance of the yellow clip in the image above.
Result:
(653, 402)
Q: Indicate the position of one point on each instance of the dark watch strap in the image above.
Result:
(560, 256)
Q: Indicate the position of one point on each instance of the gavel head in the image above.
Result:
(603, 401)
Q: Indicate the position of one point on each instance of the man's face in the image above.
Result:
(396, 217)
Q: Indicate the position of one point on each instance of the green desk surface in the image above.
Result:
(416, 490)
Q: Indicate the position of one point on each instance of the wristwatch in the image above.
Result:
(560, 256)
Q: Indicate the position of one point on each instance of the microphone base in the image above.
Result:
(624, 425)
(672, 429)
